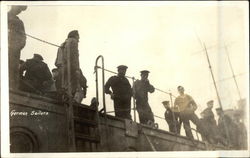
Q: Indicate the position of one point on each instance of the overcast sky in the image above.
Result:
(160, 38)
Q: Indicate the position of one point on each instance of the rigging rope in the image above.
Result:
(41, 40)
(136, 79)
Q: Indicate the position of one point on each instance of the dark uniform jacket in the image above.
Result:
(120, 86)
(209, 116)
(141, 90)
(37, 72)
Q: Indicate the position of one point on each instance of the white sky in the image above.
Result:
(159, 38)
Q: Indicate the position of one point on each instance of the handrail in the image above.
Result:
(103, 80)
(103, 96)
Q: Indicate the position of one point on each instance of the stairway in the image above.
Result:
(86, 130)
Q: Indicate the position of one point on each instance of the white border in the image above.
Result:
(5, 94)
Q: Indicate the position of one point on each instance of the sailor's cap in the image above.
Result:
(122, 67)
(144, 72)
(210, 102)
(38, 56)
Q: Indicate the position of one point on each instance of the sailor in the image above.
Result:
(68, 59)
(209, 122)
(37, 77)
(242, 132)
(227, 129)
(121, 93)
(172, 118)
(16, 42)
(141, 89)
(187, 107)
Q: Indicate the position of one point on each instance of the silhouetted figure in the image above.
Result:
(242, 131)
(172, 118)
(121, 93)
(227, 129)
(141, 89)
(67, 62)
(16, 42)
(37, 78)
(209, 122)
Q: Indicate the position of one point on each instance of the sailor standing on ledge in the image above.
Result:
(141, 89)
(121, 93)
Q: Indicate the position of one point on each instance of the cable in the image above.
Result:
(136, 79)
(41, 40)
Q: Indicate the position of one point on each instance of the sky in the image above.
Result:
(162, 38)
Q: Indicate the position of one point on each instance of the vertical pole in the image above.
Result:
(134, 99)
(103, 95)
(218, 97)
(231, 67)
(70, 106)
(173, 115)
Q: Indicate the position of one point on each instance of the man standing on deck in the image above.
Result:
(121, 93)
(228, 130)
(67, 62)
(16, 42)
(209, 122)
(172, 116)
(141, 89)
(187, 107)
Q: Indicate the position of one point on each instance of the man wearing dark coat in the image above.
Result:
(67, 62)
(172, 118)
(141, 89)
(37, 78)
(121, 93)
(16, 42)
(209, 121)
(227, 129)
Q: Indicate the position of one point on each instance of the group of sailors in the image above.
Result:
(67, 77)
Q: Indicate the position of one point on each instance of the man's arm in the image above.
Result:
(193, 103)
(108, 85)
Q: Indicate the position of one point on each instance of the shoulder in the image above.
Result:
(112, 78)
(189, 96)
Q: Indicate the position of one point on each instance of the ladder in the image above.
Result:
(87, 138)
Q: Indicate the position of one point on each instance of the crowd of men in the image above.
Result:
(34, 76)
(227, 131)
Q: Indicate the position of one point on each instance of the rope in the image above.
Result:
(41, 40)
(136, 79)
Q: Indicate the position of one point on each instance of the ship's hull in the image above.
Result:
(44, 129)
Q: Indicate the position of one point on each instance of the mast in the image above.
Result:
(211, 71)
(231, 67)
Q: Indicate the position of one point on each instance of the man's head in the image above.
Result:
(180, 89)
(74, 34)
(210, 104)
(122, 70)
(219, 111)
(144, 75)
(38, 57)
(17, 9)
(166, 104)
(55, 73)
